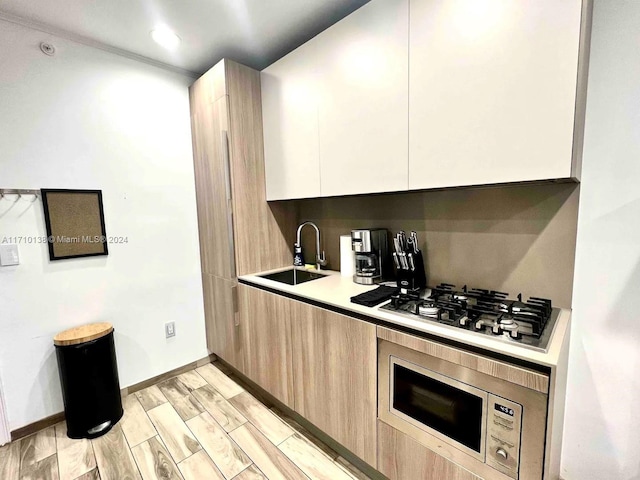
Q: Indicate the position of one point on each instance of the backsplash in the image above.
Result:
(517, 238)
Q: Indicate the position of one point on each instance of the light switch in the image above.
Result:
(9, 254)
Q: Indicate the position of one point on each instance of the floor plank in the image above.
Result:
(135, 423)
(92, 475)
(271, 461)
(251, 473)
(227, 456)
(218, 380)
(154, 461)
(46, 469)
(311, 460)
(173, 389)
(220, 409)
(37, 447)
(75, 457)
(188, 407)
(179, 395)
(192, 380)
(199, 466)
(262, 418)
(174, 433)
(151, 397)
(114, 459)
(10, 461)
(304, 432)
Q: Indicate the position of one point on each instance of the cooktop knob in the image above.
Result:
(502, 453)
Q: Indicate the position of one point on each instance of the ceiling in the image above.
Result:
(253, 32)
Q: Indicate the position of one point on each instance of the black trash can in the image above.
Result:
(89, 377)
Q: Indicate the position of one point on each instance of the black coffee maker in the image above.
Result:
(371, 255)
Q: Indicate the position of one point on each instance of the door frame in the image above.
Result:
(5, 433)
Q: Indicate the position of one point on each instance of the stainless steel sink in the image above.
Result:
(293, 276)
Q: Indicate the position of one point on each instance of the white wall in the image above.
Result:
(92, 120)
(602, 424)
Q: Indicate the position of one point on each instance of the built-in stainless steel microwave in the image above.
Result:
(469, 417)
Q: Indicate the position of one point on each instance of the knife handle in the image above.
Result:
(412, 265)
(395, 260)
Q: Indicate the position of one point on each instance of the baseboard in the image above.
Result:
(34, 427)
(164, 376)
(47, 422)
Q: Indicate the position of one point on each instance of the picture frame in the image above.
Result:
(75, 223)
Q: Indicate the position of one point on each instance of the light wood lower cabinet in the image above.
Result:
(320, 363)
(266, 341)
(335, 368)
(402, 458)
(220, 312)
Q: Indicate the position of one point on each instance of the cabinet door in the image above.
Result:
(264, 233)
(334, 361)
(363, 109)
(492, 90)
(290, 123)
(209, 122)
(266, 341)
(400, 458)
(220, 311)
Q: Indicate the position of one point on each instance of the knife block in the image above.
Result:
(412, 281)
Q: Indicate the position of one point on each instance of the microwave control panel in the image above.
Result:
(504, 422)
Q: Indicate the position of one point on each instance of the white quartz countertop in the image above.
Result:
(336, 290)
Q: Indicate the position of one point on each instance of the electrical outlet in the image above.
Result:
(170, 329)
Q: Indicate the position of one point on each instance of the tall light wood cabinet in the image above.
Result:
(240, 232)
(335, 367)
(363, 73)
(496, 90)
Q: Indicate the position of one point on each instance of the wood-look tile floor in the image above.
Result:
(199, 425)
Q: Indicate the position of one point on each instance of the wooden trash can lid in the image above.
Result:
(82, 334)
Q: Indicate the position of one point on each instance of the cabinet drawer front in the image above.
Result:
(402, 458)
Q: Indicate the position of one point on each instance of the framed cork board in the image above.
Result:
(75, 223)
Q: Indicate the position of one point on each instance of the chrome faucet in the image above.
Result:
(320, 257)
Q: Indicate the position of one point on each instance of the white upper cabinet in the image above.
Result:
(418, 94)
(494, 88)
(290, 125)
(363, 100)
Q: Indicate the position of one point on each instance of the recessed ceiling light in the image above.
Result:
(165, 37)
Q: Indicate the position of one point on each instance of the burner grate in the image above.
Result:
(482, 311)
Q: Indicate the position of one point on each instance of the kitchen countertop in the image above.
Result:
(336, 291)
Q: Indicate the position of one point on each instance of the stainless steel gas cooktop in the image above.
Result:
(483, 312)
